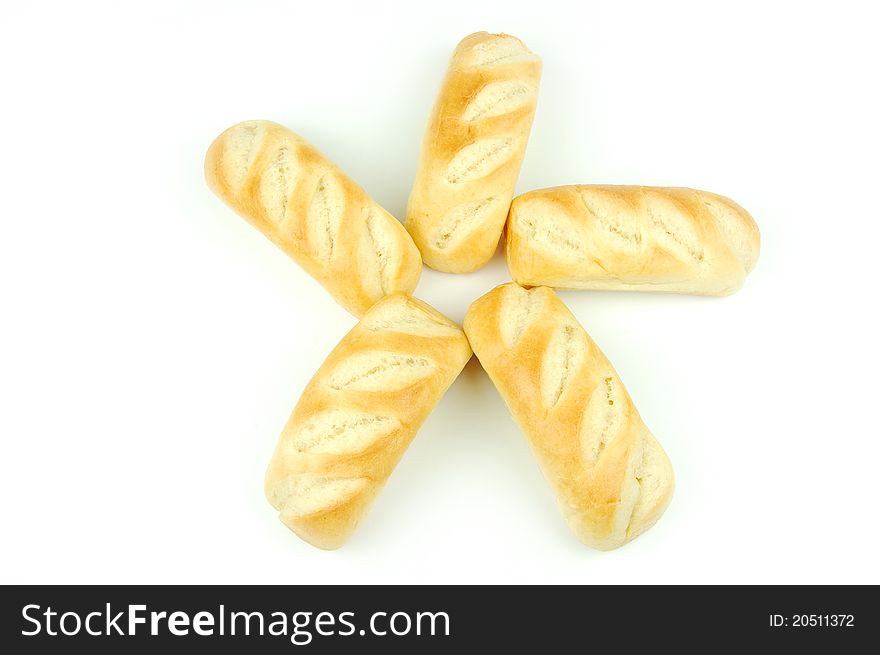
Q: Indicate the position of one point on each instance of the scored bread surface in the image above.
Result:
(630, 238)
(358, 414)
(311, 210)
(611, 477)
(472, 151)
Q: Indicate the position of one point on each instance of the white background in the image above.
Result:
(152, 343)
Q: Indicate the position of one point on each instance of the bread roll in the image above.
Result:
(312, 211)
(631, 238)
(611, 477)
(472, 151)
(358, 414)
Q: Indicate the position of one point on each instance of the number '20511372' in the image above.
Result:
(812, 621)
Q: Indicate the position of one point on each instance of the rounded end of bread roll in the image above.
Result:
(322, 511)
(515, 255)
(212, 159)
(499, 318)
(737, 227)
(463, 239)
(656, 481)
(230, 156)
(645, 495)
(388, 261)
(328, 531)
(409, 270)
(485, 49)
(400, 312)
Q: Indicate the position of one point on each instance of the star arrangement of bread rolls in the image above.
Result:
(365, 404)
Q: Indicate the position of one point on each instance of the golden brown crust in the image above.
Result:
(358, 414)
(611, 477)
(315, 213)
(631, 238)
(472, 151)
